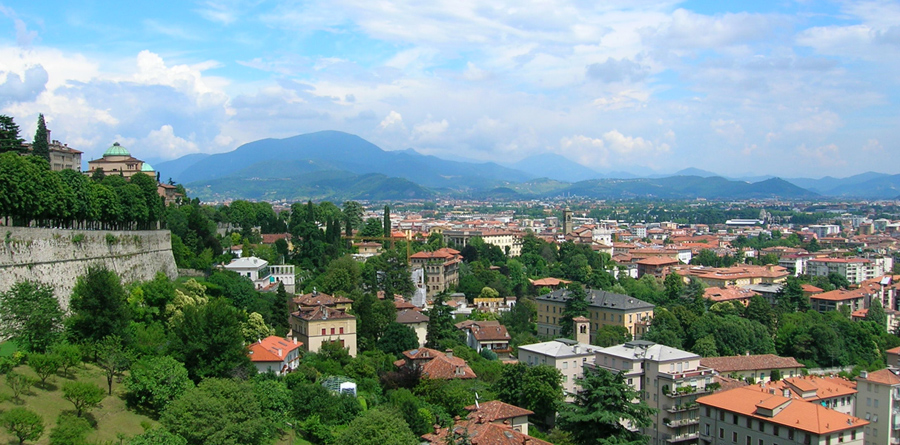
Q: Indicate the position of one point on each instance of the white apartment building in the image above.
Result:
(669, 380)
(878, 401)
(568, 356)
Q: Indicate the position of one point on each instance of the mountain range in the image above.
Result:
(336, 166)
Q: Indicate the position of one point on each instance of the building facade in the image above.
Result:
(116, 160)
(318, 325)
(878, 401)
(441, 269)
(605, 308)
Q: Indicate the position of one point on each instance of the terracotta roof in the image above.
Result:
(657, 261)
(270, 238)
(749, 363)
(496, 410)
(802, 415)
(410, 316)
(883, 376)
(272, 349)
(728, 293)
(549, 282)
(816, 387)
(444, 253)
(811, 289)
(402, 304)
(437, 365)
(319, 298)
(481, 432)
(321, 313)
(483, 332)
(840, 295)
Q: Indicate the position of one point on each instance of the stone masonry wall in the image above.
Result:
(58, 257)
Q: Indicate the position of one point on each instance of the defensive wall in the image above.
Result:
(57, 257)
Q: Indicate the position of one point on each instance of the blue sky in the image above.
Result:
(790, 88)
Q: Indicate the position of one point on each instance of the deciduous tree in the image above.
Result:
(99, 306)
(30, 316)
(85, 396)
(378, 427)
(23, 423)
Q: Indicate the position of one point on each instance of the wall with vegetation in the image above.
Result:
(58, 257)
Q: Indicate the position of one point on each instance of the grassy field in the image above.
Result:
(110, 419)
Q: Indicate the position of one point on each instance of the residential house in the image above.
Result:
(855, 270)
(755, 368)
(604, 308)
(757, 416)
(830, 301)
(740, 276)
(479, 431)
(832, 392)
(315, 299)
(658, 266)
(878, 401)
(441, 268)
(893, 357)
(669, 380)
(435, 364)
(415, 320)
(729, 293)
(62, 157)
(549, 282)
(275, 354)
(263, 276)
(486, 335)
(321, 324)
(508, 241)
(501, 413)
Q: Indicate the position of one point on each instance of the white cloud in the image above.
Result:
(393, 119)
(873, 146)
(623, 99)
(826, 155)
(165, 144)
(728, 129)
(613, 147)
(430, 131)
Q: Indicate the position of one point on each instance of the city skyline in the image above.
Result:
(788, 88)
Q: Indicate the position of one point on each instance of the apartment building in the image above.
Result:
(878, 401)
(752, 415)
(441, 269)
(605, 308)
(570, 357)
(669, 380)
(508, 241)
(855, 270)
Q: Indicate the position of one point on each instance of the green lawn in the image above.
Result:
(112, 417)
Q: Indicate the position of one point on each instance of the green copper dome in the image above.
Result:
(116, 150)
(147, 168)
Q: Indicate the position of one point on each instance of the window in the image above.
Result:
(760, 442)
(332, 331)
(722, 415)
(874, 433)
(342, 330)
(852, 434)
(749, 422)
(828, 439)
(323, 331)
(790, 433)
(868, 401)
(774, 430)
(749, 440)
(840, 437)
(876, 403)
(734, 419)
(707, 429)
(721, 433)
(707, 411)
(734, 436)
(762, 426)
(565, 365)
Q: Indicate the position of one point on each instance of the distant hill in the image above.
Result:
(684, 187)
(880, 186)
(832, 186)
(174, 168)
(554, 166)
(347, 152)
(302, 180)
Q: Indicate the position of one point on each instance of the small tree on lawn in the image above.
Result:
(70, 430)
(69, 355)
(111, 357)
(44, 365)
(18, 383)
(85, 396)
(23, 423)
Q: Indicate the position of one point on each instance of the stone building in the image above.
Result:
(117, 160)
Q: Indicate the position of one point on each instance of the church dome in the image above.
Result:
(147, 168)
(116, 150)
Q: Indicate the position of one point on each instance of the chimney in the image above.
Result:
(278, 351)
(449, 353)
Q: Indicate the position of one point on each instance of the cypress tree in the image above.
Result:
(387, 222)
(41, 146)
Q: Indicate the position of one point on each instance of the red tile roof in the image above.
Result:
(496, 410)
(272, 349)
(437, 365)
(725, 365)
(483, 433)
(410, 316)
(321, 313)
(883, 376)
(319, 298)
(802, 415)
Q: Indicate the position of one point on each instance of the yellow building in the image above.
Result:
(317, 325)
(117, 160)
(605, 308)
(743, 275)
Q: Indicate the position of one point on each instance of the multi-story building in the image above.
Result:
(275, 354)
(508, 241)
(878, 401)
(741, 276)
(604, 308)
(824, 230)
(315, 326)
(568, 356)
(752, 415)
(669, 380)
(830, 301)
(261, 274)
(62, 157)
(855, 270)
(441, 269)
(416, 320)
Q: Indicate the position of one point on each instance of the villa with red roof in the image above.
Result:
(756, 367)
(441, 268)
(275, 354)
(435, 364)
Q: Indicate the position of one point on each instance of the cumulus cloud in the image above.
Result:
(25, 88)
(613, 70)
(24, 37)
(872, 146)
(393, 119)
(165, 144)
(622, 99)
(612, 146)
(429, 131)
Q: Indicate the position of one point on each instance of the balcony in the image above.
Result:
(681, 408)
(683, 422)
(682, 438)
(895, 440)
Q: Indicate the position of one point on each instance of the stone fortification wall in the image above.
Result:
(58, 257)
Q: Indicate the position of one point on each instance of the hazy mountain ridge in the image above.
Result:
(328, 164)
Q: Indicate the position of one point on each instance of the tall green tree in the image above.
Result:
(538, 388)
(398, 338)
(600, 408)
(41, 146)
(9, 135)
(378, 427)
(30, 316)
(387, 221)
(99, 306)
(154, 382)
(84, 396)
(440, 323)
(209, 340)
(876, 313)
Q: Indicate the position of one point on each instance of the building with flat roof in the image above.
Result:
(669, 380)
(878, 401)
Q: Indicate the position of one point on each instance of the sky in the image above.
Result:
(741, 88)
